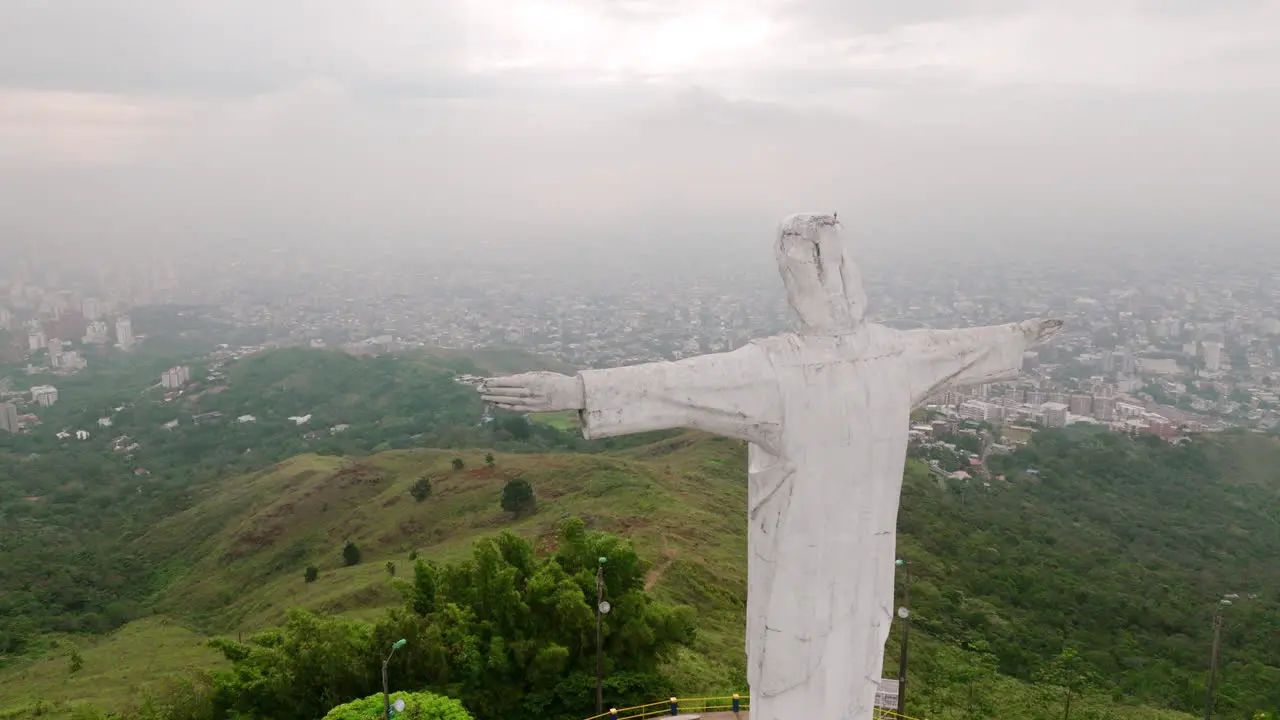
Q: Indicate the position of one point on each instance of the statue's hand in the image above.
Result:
(1039, 330)
(534, 392)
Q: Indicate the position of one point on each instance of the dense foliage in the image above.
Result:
(417, 706)
(1114, 551)
(506, 632)
(517, 496)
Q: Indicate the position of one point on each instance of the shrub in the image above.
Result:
(421, 489)
(418, 706)
(458, 464)
(517, 496)
(312, 573)
(350, 554)
(489, 459)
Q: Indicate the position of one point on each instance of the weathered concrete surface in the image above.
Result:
(826, 414)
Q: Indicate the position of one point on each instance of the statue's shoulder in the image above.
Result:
(777, 343)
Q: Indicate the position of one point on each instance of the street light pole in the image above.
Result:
(601, 609)
(904, 612)
(1224, 603)
(386, 693)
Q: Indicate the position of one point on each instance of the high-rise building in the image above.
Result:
(36, 340)
(1059, 397)
(175, 377)
(1055, 414)
(8, 417)
(1104, 407)
(55, 353)
(96, 333)
(124, 333)
(1080, 404)
(1212, 354)
(44, 395)
(1036, 398)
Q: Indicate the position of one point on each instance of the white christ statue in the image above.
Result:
(826, 413)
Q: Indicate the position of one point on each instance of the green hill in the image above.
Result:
(68, 507)
(1096, 567)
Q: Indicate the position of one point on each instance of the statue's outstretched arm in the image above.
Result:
(733, 394)
(535, 392)
(951, 358)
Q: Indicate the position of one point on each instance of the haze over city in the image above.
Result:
(482, 127)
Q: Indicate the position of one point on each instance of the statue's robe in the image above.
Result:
(827, 419)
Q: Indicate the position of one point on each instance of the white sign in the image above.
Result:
(887, 694)
(605, 607)
(399, 705)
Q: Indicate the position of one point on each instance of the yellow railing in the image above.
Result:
(682, 705)
(706, 705)
(885, 714)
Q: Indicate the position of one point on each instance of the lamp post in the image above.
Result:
(1223, 604)
(602, 609)
(386, 693)
(904, 612)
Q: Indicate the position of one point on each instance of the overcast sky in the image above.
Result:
(624, 121)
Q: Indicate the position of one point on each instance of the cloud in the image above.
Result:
(123, 120)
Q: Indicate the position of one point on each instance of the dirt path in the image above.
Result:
(655, 573)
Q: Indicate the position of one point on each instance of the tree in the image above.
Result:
(458, 464)
(517, 496)
(418, 706)
(391, 568)
(1069, 674)
(313, 573)
(489, 459)
(421, 489)
(350, 554)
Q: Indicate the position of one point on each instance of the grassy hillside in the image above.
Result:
(67, 505)
(117, 671)
(1101, 566)
(680, 501)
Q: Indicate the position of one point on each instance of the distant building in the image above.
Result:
(124, 333)
(1036, 398)
(55, 353)
(9, 418)
(1080, 404)
(1055, 415)
(71, 360)
(1104, 408)
(91, 308)
(1211, 352)
(979, 410)
(175, 377)
(1059, 397)
(96, 333)
(36, 340)
(44, 395)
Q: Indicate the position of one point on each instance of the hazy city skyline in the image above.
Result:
(645, 124)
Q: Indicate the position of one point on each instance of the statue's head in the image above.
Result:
(824, 287)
